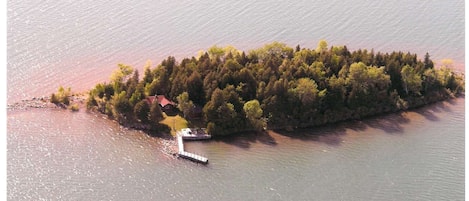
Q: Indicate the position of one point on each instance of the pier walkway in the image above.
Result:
(187, 155)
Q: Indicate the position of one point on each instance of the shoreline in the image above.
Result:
(44, 102)
(168, 146)
(168, 141)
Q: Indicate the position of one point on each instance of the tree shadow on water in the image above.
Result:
(429, 111)
(390, 123)
(328, 134)
(245, 139)
(428, 115)
(333, 134)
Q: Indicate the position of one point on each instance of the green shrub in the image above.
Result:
(54, 99)
(74, 107)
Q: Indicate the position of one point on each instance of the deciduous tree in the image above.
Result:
(254, 114)
(411, 80)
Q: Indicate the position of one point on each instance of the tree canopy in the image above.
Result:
(276, 86)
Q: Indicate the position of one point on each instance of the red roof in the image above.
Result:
(162, 100)
(150, 99)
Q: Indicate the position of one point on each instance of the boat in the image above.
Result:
(194, 134)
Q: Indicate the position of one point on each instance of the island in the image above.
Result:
(228, 91)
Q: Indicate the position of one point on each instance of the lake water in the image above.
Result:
(59, 155)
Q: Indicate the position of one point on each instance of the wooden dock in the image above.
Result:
(187, 155)
(193, 134)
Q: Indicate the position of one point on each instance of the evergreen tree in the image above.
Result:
(428, 63)
(195, 88)
(121, 107)
(142, 111)
(156, 115)
(185, 104)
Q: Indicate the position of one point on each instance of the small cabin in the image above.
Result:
(165, 104)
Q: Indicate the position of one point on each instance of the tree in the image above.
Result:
(322, 46)
(297, 48)
(220, 115)
(247, 84)
(133, 81)
(428, 63)
(156, 115)
(118, 76)
(121, 74)
(62, 96)
(337, 92)
(169, 64)
(147, 75)
(429, 79)
(211, 83)
(444, 76)
(195, 88)
(185, 104)
(367, 86)
(306, 91)
(179, 85)
(108, 91)
(318, 73)
(142, 110)
(411, 81)
(229, 49)
(162, 83)
(211, 111)
(120, 106)
(54, 99)
(254, 112)
(274, 50)
(138, 94)
(216, 52)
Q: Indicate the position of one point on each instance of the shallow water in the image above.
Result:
(60, 155)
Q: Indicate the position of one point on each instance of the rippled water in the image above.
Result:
(59, 155)
(78, 43)
(417, 155)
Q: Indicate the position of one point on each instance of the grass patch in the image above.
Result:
(175, 123)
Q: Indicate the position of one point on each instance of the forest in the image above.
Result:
(275, 87)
